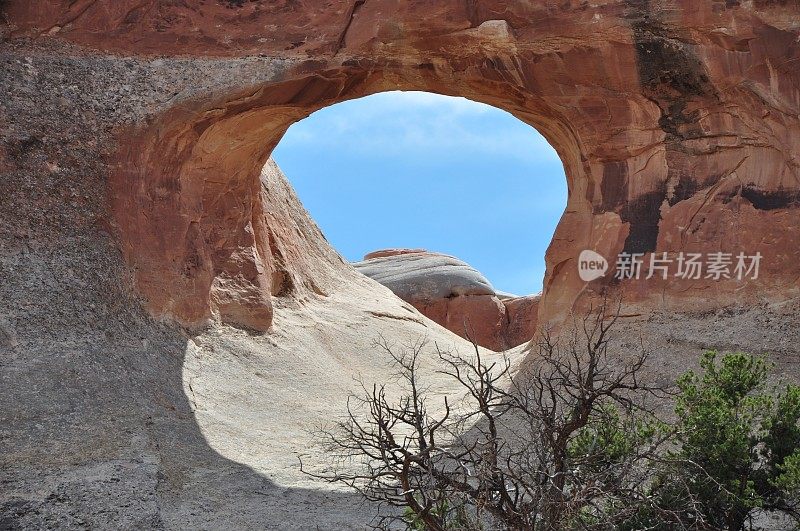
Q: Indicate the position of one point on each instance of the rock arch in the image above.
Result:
(189, 207)
(677, 123)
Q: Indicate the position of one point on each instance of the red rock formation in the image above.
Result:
(481, 318)
(677, 123)
(522, 315)
(492, 323)
(455, 295)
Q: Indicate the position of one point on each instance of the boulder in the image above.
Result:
(427, 276)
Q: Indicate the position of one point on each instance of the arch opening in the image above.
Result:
(449, 203)
(420, 170)
(205, 240)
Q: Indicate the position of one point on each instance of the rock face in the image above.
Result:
(110, 419)
(522, 315)
(677, 123)
(455, 295)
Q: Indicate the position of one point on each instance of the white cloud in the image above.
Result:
(395, 122)
(402, 99)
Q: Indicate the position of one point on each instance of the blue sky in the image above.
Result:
(414, 169)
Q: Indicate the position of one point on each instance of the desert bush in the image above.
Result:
(738, 441)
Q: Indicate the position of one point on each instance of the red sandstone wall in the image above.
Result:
(677, 123)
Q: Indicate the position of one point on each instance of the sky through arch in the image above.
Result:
(415, 169)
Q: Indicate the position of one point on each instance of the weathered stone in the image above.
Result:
(676, 124)
(480, 318)
(522, 314)
(425, 276)
(455, 295)
(391, 252)
(133, 142)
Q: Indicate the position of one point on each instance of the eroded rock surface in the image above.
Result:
(677, 123)
(454, 294)
(422, 275)
(522, 314)
(132, 153)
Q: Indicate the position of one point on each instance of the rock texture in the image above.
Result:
(110, 419)
(677, 123)
(522, 314)
(134, 199)
(391, 252)
(418, 275)
(455, 295)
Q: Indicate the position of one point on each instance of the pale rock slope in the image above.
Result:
(109, 419)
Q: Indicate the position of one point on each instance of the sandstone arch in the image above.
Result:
(113, 419)
(191, 259)
(677, 123)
